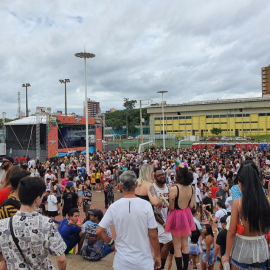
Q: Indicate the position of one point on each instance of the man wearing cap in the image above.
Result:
(93, 248)
(135, 227)
(7, 163)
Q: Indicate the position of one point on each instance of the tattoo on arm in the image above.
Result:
(153, 191)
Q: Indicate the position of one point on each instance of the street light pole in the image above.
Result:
(163, 92)
(65, 82)
(86, 55)
(26, 85)
(141, 127)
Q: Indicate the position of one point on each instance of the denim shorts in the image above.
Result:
(211, 255)
(245, 266)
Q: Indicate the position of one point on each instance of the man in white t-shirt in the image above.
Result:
(221, 212)
(63, 170)
(222, 179)
(198, 195)
(135, 228)
(52, 205)
(165, 239)
(195, 178)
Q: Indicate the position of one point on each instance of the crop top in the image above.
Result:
(176, 206)
(143, 197)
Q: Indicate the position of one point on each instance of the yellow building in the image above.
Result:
(235, 117)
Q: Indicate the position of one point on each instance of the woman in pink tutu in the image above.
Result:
(180, 221)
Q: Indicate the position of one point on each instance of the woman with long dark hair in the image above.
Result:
(207, 247)
(250, 220)
(180, 221)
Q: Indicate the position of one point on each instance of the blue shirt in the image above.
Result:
(67, 231)
(82, 171)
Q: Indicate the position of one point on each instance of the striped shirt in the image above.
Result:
(9, 209)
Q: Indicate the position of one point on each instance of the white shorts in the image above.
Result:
(164, 238)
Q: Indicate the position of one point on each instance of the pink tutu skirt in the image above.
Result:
(180, 222)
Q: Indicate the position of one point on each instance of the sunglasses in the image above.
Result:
(5, 161)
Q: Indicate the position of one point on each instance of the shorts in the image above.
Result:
(52, 213)
(247, 266)
(194, 249)
(98, 181)
(86, 208)
(59, 199)
(164, 238)
(211, 255)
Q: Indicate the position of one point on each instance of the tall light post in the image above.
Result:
(163, 92)
(85, 55)
(141, 119)
(65, 81)
(26, 85)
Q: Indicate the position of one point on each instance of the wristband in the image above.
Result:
(157, 259)
(111, 243)
(164, 200)
(163, 225)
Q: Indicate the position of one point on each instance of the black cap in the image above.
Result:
(97, 213)
(9, 159)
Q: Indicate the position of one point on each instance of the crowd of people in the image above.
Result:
(199, 206)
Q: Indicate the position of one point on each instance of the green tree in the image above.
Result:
(129, 105)
(216, 131)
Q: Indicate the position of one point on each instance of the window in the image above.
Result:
(157, 118)
(222, 116)
(188, 117)
(246, 115)
(215, 116)
(261, 114)
(230, 115)
(268, 114)
(238, 115)
(182, 117)
(209, 116)
(175, 118)
(157, 125)
(169, 118)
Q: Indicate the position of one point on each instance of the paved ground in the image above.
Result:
(76, 262)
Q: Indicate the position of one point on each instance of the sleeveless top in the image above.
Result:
(176, 206)
(143, 197)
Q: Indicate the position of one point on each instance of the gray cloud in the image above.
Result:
(196, 50)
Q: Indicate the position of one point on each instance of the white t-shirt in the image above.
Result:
(63, 167)
(198, 194)
(220, 180)
(132, 217)
(164, 211)
(195, 178)
(229, 208)
(220, 213)
(52, 203)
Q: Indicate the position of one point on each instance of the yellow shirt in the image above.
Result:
(97, 175)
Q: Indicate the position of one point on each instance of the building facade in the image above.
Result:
(235, 117)
(266, 81)
(93, 108)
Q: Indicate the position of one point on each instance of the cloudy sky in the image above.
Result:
(196, 50)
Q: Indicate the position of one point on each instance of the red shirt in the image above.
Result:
(16, 159)
(214, 190)
(4, 193)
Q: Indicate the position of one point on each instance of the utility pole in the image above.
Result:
(126, 100)
(26, 85)
(141, 119)
(65, 81)
(19, 105)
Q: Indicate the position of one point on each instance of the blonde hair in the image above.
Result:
(145, 174)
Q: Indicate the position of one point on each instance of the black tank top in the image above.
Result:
(143, 197)
(176, 206)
